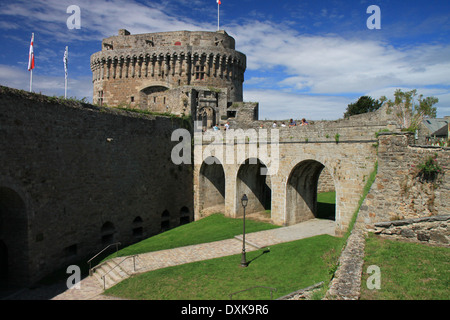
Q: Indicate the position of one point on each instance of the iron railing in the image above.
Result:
(117, 244)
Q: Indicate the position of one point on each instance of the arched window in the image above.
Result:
(165, 220)
(107, 233)
(185, 216)
(138, 230)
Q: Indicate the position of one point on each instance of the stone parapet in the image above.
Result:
(431, 230)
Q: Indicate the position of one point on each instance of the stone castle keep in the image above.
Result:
(76, 177)
(184, 73)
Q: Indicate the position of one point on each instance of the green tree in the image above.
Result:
(363, 105)
(409, 111)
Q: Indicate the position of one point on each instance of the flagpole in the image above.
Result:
(31, 61)
(66, 57)
(218, 15)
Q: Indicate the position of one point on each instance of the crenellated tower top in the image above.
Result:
(170, 72)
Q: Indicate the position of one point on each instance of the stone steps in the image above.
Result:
(112, 272)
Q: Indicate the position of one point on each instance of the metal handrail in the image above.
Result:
(117, 264)
(117, 244)
(271, 290)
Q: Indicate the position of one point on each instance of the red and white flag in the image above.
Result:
(219, 2)
(31, 54)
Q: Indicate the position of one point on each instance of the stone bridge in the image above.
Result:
(279, 168)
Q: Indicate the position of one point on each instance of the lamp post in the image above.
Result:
(244, 202)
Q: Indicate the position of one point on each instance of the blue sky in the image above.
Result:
(304, 58)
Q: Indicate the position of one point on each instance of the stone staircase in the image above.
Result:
(114, 270)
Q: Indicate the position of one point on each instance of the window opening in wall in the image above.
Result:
(199, 72)
(100, 98)
(138, 230)
(231, 114)
(184, 216)
(107, 233)
(165, 221)
(132, 99)
(70, 251)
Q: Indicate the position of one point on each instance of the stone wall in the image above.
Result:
(129, 64)
(297, 165)
(433, 230)
(326, 183)
(399, 191)
(74, 177)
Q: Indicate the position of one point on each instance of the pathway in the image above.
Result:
(91, 289)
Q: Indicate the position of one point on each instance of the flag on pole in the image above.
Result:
(31, 54)
(66, 60)
(31, 61)
(219, 2)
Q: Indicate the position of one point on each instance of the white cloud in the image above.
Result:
(333, 64)
(278, 105)
(49, 85)
(315, 74)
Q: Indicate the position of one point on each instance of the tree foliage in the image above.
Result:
(409, 111)
(363, 105)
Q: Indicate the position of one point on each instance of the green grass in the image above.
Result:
(287, 267)
(212, 228)
(409, 271)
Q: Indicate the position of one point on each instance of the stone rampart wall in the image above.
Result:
(400, 191)
(433, 230)
(87, 176)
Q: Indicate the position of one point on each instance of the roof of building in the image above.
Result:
(435, 124)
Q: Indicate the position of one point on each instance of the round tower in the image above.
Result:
(179, 72)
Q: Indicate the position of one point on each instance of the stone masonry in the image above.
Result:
(75, 177)
(194, 73)
(399, 192)
(347, 149)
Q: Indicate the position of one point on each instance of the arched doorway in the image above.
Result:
(3, 262)
(154, 98)
(212, 186)
(207, 115)
(252, 181)
(301, 192)
(13, 238)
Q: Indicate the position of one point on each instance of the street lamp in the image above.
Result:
(244, 263)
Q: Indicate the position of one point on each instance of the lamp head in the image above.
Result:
(244, 200)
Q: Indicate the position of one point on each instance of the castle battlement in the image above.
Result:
(169, 71)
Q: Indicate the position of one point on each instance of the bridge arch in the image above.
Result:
(13, 238)
(301, 191)
(211, 183)
(252, 181)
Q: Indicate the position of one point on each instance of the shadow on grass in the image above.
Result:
(265, 250)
